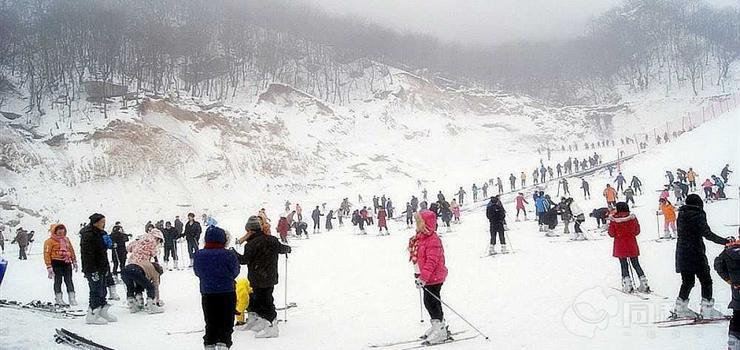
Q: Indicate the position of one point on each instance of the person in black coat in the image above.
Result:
(727, 265)
(119, 237)
(691, 258)
(192, 236)
(316, 217)
(261, 257)
(178, 226)
(95, 267)
(170, 245)
(496, 215)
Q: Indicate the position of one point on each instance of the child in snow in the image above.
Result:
(217, 268)
(427, 255)
(668, 211)
(243, 291)
(60, 259)
(624, 228)
(691, 258)
(727, 265)
(261, 257)
(142, 274)
(578, 219)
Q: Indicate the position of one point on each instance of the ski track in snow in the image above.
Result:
(353, 291)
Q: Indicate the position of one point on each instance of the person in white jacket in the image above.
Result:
(578, 218)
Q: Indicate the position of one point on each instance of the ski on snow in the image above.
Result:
(689, 321)
(48, 308)
(424, 345)
(64, 336)
(641, 295)
(402, 342)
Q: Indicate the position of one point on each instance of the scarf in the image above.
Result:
(413, 247)
(214, 245)
(63, 247)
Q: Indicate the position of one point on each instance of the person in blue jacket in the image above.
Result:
(620, 180)
(541, 206)
(217, 269)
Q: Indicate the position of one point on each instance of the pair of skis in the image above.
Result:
(48, 309)
(74, 340)
(642, 295)
(689, 321)
(414, 343)
(191, 331)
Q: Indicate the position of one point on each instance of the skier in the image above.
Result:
(140, 276)
(496, 215)
(600, 214)
(445, 213)
(578, 219)
(624, 228)
(681, 175)
(585, 187)
(2, 238)
(636, 184)
(383, 201)
(512, 182)
(576, 163)
(316, 217)
(170, 245)
(376, 203)
(549, 172)
(217, 268)
(708, 193)
(410, 214)
(455, 210)
(415, 203)
(500, 185)
(523, 177)
(727, 265)
(565, 214)
(461, 195)
(287, 206)
(261, 257)
(427, 255)
(301, 228)
(178, 226)
(541, 207)
(535, 176)
(559, 169)
(691, 258)
(424, 194)
(520, 202)
(282, 228)
(629, 195)
(620, 181)
(141, 251)
(680, 190)
(543, 173)
(299, 211)
(382, 224)
(611, 195)
(21, 238)
(691, 176)
(717, 182)
(93, 252)
(389, 208)
(725, 173)
(669, 176)
(60, 259)
(329, 218)
(119, 237)
(358, 220)
(564, 182)
(484, 188)
(475, 193)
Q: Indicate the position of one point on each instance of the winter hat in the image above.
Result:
(215, 234)
(623, 207)
(694, 200)
(156, 233)
(96, 217)
(54, 227)
(253, 224)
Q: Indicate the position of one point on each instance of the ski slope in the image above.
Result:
(354, 290)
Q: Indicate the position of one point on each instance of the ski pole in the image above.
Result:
(657, 223)
(421, 307)
(508, 241)
(285, 316)
(456, 313)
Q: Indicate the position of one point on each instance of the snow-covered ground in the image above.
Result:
(353, 290)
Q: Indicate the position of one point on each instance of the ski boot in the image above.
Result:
(439, 334)
(72, 299)
(270, 331)
(176, 265)
(259, 324)
(644, 287)
(491, 251)
(682, 310)
(93, 317)
(133, 306)
(104, 314)
(504, 250)
(59, 301)
(708, 312)
(112, 295)
(627, 285)
(152, 307)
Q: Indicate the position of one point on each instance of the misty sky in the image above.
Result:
(482, 21)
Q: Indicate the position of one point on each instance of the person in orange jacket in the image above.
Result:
(669, 218)
(60, 259)
(611, 195)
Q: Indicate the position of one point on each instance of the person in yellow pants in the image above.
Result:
(243, 289)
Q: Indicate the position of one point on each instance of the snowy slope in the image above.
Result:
(352, 290)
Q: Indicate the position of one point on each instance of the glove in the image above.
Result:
(50, 272)
(289, 249)
(419, 283)
(74, 266)
(95, 276)
(730, 239)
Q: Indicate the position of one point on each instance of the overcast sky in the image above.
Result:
(482, 21)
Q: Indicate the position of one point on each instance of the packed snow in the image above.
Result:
(353, 290)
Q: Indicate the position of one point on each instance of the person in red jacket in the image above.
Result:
(624, 228)
(282, 228)
(382, 221)
(427, 255)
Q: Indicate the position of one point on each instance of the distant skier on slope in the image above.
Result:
(382, 221)
(461, 195)
(520, 202)
(668, 211)
(474, 189)
(585, 187)
(611, 195)
(691, 176)
(410, 215)
(620, 180)
(455, 210)
(496, 215)
(629, 195)
(427, 255)
(523, 177)
(725, 173)
(636, 184)
(316, 217)
(512, 183)
(535, 176)
(624, 228)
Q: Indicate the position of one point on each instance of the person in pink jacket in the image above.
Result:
(144, 248)
(455, 210)
(520, 202)
(427, 255)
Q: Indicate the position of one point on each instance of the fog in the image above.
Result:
(482, 21)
